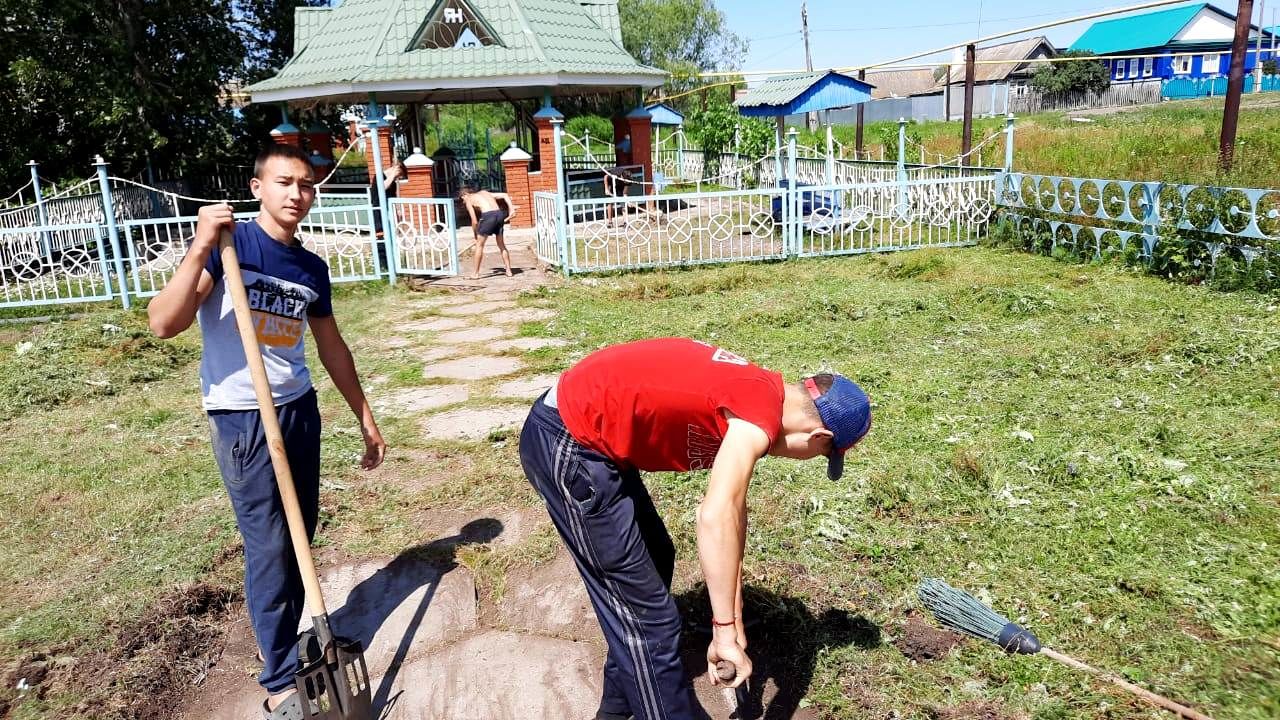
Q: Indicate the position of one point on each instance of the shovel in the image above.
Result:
(332, 679)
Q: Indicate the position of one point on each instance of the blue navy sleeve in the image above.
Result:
(323, 305)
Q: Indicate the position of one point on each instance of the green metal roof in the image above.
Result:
(306, 21)
(1137, 32)
(364, 46)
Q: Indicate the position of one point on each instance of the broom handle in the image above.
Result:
(271, 425)
(1164, 702)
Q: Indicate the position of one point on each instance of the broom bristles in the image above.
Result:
(964, 613)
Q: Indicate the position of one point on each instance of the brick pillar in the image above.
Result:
(419, 168)
(384, 147)
(545, 178)
(287, 134)
(515, 166)
(640, 125)
(621, 147)
(320, 140)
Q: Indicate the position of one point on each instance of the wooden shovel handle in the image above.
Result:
(1164, 702)
(270, 423)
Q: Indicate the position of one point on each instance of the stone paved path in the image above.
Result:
(435, 651)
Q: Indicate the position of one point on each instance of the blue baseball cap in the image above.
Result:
(845, 410)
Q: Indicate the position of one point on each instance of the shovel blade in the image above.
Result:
(333, 686)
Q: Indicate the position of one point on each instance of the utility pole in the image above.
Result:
(966, 142)
(862, 75)
(1257, 52)
(810, 119)
(1235, 85)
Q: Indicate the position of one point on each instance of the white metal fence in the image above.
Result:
(426, 236)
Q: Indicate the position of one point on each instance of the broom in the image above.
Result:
(964, 613)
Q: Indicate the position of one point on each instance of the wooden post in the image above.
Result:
(946, 96)
(966, 142)
(862, 75)
(1235, 86)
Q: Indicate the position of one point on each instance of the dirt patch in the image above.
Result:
(972, 710)
(923, 642)
(473, 423)
(527, 343)
(152, 661)
(472, 368)
(472, 335)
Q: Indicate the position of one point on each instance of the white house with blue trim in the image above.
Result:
(1191, 41)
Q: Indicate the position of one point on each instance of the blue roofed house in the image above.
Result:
(1191, 41)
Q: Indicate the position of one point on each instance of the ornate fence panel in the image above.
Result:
(426, 236)
(676, 229)
(52, 264)
(878, 217)
(545, 220)
(1094, 219)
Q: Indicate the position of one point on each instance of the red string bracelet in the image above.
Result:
(717, 623)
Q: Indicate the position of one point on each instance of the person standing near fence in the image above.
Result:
(288, 290)
(490, 221)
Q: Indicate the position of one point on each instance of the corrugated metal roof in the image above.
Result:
(368, 41)
(900, 83)
(1137, 32)
(307, 22)
(664, 114)
(1016, 52)
(803, 92)
(605, 13)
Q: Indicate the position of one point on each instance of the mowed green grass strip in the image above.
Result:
(1094, 451)
(1136, 528)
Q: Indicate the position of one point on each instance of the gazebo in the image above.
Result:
(376, 53)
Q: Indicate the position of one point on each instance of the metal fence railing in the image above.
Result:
(546, 220)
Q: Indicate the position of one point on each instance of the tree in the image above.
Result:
(141, 82)
(1073, 76)
(683, 37)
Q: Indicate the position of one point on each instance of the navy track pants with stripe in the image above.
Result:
(625, 555)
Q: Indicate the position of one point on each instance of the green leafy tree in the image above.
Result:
(683, 37)
(1073, 76)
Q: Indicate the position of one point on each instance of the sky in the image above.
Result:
(844, 33)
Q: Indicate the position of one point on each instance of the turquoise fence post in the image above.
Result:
(562, 216)
(902, 167)
(793, 221)
(45, 250)
(388, 231)
(1150, 219)
(680, 152)
(113, 232)
(1008, 143)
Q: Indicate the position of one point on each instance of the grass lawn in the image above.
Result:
(1171, 142)
(1092, 450)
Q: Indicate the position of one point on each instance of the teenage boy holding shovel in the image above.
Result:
(670, 404)
(288, 289)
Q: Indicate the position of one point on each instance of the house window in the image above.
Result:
(1181, 64)
(1148, 66)
(1133, 68)
(1118, 70)
(1210, 64)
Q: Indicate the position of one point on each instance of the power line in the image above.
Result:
(952, 24)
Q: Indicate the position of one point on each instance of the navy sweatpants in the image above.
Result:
(621, 546)
(272, 585)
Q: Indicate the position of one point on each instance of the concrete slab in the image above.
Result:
(439, 324)
(528, 343)
(500, 676)
(474, 335)
(410, 470)
(472, 368)
(432, 353)
(472, 423)
(409, 401)
(476, 308)
(549, 600)
(525, 388)
(519, 315)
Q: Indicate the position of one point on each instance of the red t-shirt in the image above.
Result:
(659, 404)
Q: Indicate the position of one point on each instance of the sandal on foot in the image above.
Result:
(289, 709)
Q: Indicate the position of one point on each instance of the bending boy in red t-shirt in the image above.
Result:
(670, 404)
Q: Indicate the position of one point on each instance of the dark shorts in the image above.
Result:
(490, 223)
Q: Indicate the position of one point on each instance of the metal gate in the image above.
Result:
(425, 236)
